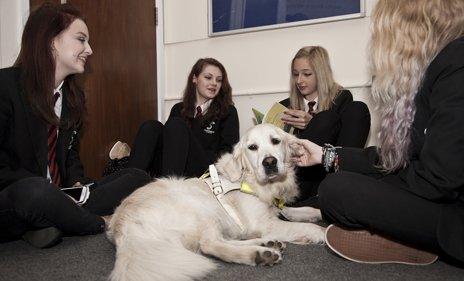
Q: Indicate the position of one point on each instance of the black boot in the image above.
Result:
(118, 158)
(43, 238)
(115, 165)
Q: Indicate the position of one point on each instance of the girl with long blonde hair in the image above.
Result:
(321, 111)
(325, 87)
(408, 192)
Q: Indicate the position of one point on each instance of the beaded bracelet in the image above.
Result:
(330, 158)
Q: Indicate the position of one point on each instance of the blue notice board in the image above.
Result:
(234, 16)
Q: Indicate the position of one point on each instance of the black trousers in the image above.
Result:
(169, 150)
(34, 203)
(348, 129)
(360, 201)
(147, 148)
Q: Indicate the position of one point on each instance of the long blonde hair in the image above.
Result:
(327, 88)
(406, 37)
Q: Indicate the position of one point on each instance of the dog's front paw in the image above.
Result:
(315, 236)
(278, 245)
(319, 237)
(268, 257)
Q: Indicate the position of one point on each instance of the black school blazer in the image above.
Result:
(436, 167)
(23, 137)
(217, 136)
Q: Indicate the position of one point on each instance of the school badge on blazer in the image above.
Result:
(210, 129)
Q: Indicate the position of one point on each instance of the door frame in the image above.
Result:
(13, 17)
(160, 56)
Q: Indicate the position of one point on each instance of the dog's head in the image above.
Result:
(263, 152)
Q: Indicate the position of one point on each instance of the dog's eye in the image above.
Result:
(253, 147)
(275, 141)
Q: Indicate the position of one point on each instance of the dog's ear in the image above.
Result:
(290, 149)
(230, 165)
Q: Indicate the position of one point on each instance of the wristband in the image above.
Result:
(330, 158)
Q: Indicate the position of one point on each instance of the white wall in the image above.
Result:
(13, 15)
(258, 62)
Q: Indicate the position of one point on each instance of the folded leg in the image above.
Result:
(242, 252)
(295, 232)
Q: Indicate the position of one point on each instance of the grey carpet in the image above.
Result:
(92, 257)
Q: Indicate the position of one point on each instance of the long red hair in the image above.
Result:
(37, 63)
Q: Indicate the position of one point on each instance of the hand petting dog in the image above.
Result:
(305, 153)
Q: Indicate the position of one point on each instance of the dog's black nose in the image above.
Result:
(270, 163)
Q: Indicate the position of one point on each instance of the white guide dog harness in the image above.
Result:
(221, 187)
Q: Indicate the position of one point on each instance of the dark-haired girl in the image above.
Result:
(199, 129)
(41, 113)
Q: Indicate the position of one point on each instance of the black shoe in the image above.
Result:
(115, 165)
(43, 238)
(118, 158)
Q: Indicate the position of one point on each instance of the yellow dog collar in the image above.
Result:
(246, 188)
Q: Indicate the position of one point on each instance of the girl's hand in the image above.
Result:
(77, 184)
(296, 118)
(306, 153)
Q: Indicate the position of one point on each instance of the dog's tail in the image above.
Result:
(140, 259)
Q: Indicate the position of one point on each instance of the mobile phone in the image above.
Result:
(75, 192)
(78, 194)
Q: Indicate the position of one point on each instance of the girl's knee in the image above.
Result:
(139, 176)
(356, 110)
(151, 125)
(176, 126)
(27, 192)
(176, 123)
(335, 189)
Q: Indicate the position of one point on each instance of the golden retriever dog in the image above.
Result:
(161, 230)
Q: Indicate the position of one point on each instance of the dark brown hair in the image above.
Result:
(220, 104)
(37, 63)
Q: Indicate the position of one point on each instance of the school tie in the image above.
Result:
(311, 105)
(199, 112)
(52, 139)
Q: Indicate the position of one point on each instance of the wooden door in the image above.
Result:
(35, 3)
(121, 85)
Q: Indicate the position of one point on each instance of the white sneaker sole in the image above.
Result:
(119, 150)
(364, 247)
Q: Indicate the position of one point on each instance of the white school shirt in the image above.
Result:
(307, 107)
(204, 107)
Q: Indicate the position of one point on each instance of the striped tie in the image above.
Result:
(199, 112)
(52, 139)
(311, 105)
